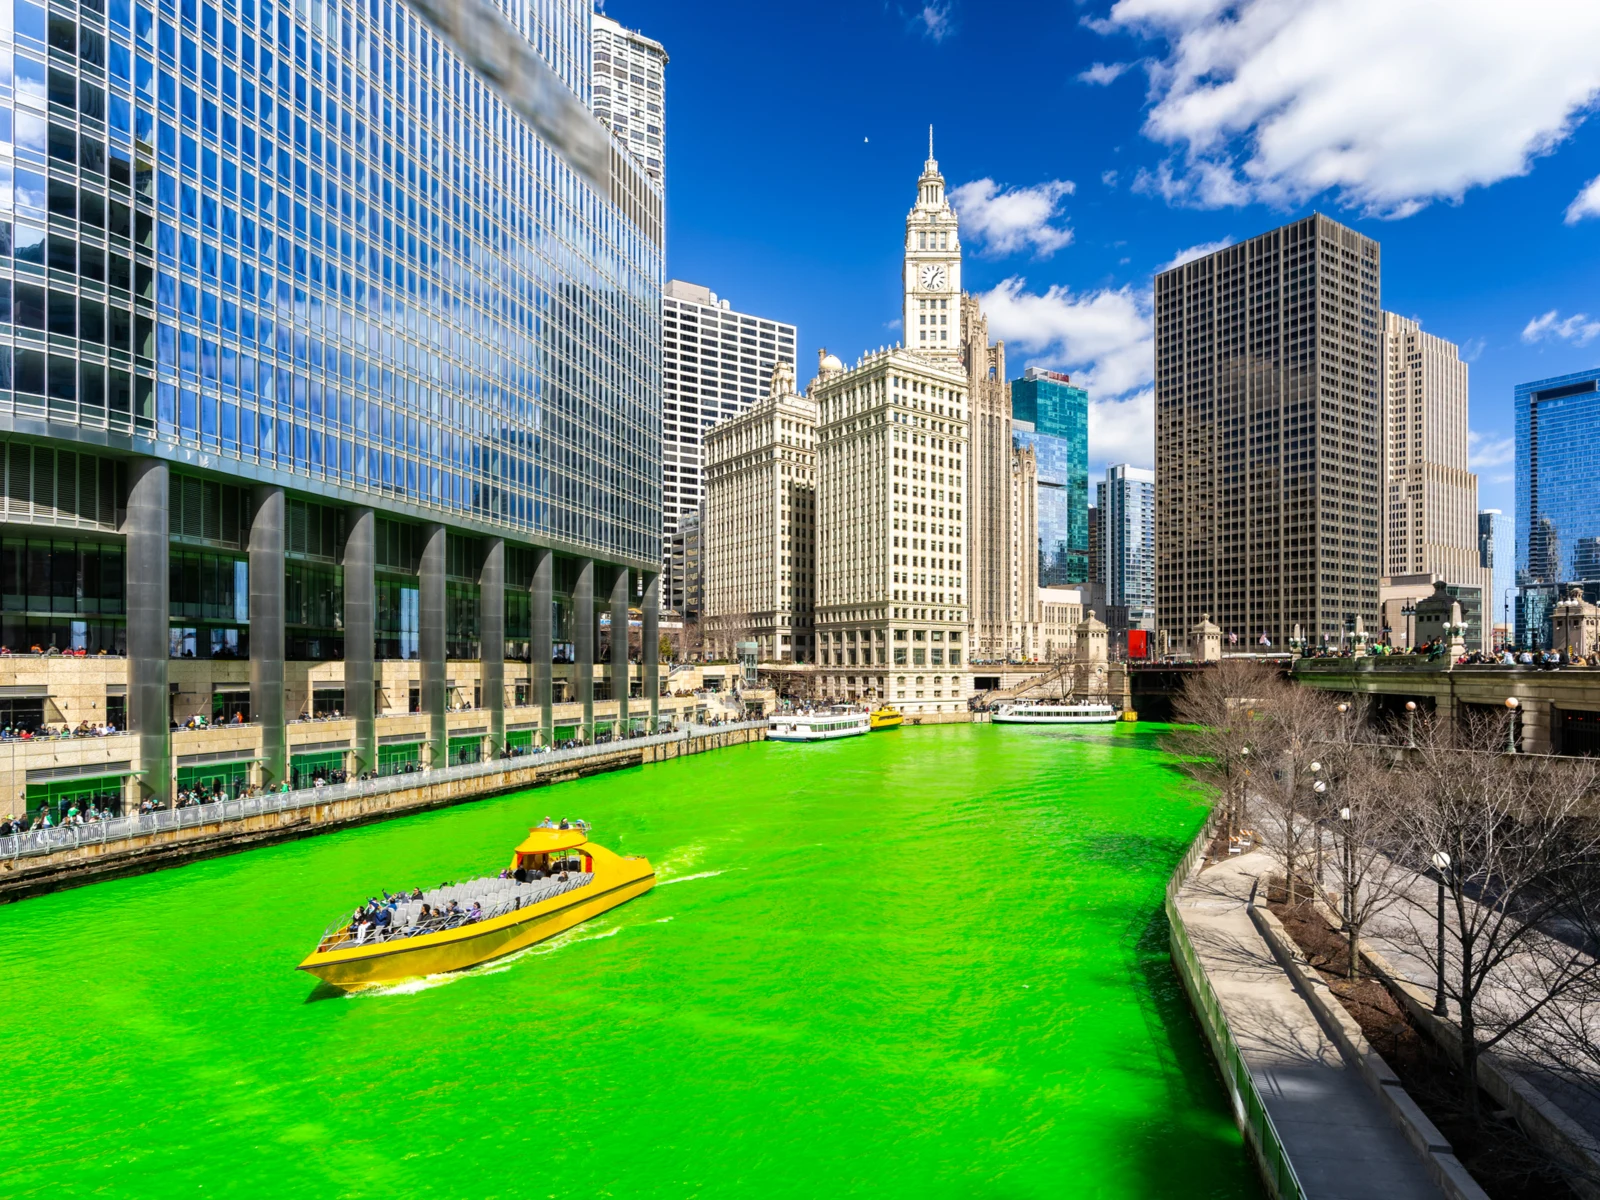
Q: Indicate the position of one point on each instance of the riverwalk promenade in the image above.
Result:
(1338, 1141)
(45, 860)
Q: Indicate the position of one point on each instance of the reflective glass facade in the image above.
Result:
(1558, 490)
(1558, 474)
(1497, 551)
(1051, 415)
(308, 246)
(1125, 505)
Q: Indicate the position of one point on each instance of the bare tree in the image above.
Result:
(1365, 823)
(1225, 739)
(1305, 727)
(1514, 841)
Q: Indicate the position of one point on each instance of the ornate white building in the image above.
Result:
(909, 523)
(760, 526)
(891, 530)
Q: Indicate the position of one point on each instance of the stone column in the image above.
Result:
(360, 616)
(621, 585)
(430, 638)
(492, 643)
(542, 601)
(267, 701)
(583, 644)
(650, 648)
(147, 530)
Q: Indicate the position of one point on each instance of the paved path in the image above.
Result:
(1341, 1142)
(1574, 1088)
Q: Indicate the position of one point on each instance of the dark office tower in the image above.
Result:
(1267, 402)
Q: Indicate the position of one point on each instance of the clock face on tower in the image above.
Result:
(933, 278)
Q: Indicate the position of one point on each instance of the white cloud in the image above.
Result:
(1577, 329)
(935, 21)
(1123, 431)
(1587, 203)
(1194, 252)
(1109, 178)
(1009, 220)
(1390, 104)
(1103, 73)
(1485, 450)
(1104, 338)
(1472, 349)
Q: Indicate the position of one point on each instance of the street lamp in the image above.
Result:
(1411, 724)
(1441, 863)
(1512, 704)
(1320, 788)
(1349, 870)
(1408, 610)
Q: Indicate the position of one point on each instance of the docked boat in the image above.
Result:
(885, 716)
(821, 726)
(1037, 712)
(568, 880)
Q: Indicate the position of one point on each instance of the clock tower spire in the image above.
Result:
(932, 272)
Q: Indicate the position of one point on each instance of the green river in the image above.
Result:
(925, 963)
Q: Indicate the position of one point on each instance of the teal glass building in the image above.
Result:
(1051, 415)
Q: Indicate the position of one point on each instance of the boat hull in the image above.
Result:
(1109, 719)
(879, 724)
(815, 735)
(469, 945)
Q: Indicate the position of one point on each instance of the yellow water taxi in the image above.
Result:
(565, 879)
(886, 716)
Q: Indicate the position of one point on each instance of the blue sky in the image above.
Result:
(1090, 143)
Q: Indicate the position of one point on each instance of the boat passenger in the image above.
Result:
(547, 823)
(564, 824)
(476, 914)
(520, 874)
(416, 894)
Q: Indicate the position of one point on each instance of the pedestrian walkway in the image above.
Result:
(1341, 1142)
(1567, 1081)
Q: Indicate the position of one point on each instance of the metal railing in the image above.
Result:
(67, 837)
(1248, 1109)
(338, 934)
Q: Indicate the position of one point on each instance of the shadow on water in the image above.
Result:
(1194, 1084)
(324, 991)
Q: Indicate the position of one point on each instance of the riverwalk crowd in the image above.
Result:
(20, 731)
(396, 914)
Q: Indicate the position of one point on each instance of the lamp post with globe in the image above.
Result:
(1441, 864)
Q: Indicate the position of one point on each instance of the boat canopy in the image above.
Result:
(551, 841)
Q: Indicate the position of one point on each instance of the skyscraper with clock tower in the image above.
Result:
(932, 273)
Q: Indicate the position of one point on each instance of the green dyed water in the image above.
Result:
(927, 963)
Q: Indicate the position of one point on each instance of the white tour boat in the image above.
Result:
(817, 726)
(1045, 712)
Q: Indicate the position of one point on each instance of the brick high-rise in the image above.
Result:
(1268, 374)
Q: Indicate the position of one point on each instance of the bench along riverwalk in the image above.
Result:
(1319, 1130)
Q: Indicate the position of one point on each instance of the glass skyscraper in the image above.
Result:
(1051, 415)
(1497, 551)
(1558, 490)
(1125, 508)
(315, 349)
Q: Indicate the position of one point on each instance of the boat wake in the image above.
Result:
(410, 987)
(686, 878)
